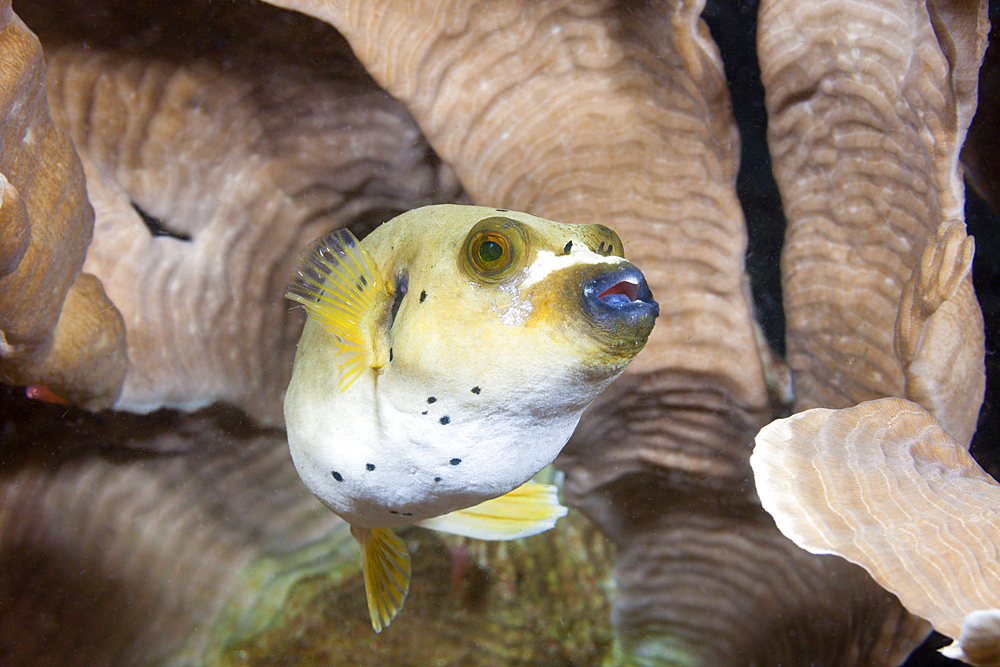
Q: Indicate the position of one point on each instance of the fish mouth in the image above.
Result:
(620, 294)
(625, 291)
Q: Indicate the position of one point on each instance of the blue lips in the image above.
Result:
(621, 294)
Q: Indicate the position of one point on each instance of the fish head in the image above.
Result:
(510, 301)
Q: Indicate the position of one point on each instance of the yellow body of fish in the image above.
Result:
(446, 360)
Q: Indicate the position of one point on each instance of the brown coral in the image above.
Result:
(868, 106)
(939, 335)
(57, 327)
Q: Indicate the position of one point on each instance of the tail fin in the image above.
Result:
(386, 566)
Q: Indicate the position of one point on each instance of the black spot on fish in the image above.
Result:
(567, 247)
(424, 412)
(370, 466)
(407, 513)
(364, 281)
(157, 227)
(431, 399)
(393, 512)
(337, 476)
(423, 295)
(390, 354)
(602, 250)
(455, 462)
(476, 390)
(402, 282)
(437, 479)
(502, 210)
(444, 420)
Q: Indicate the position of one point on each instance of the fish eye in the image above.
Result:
(494, 248)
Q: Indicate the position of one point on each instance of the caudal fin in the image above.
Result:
(386, 566)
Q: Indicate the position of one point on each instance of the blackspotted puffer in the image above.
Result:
(445, 360)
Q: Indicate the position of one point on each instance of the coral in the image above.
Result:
(57, 327)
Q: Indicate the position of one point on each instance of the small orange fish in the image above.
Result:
(39, 393)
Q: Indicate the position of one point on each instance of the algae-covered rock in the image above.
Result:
(541, 600)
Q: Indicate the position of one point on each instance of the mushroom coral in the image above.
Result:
(939, 335)
(57, 327)
(885, 486)
(149, 545)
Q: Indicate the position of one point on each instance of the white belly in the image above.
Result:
(394, 458)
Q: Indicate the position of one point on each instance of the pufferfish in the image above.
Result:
(445, 360)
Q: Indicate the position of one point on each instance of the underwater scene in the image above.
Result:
(499, 332)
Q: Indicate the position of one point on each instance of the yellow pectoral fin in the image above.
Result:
(340, 287)
(386, 567)
(527, 510)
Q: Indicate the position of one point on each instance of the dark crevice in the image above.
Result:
(733, 26)
(35, 433)
(157, 227)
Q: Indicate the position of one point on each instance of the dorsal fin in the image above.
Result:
(340, 287)
(386, 567)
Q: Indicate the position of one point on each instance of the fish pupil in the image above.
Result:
(490, 251)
